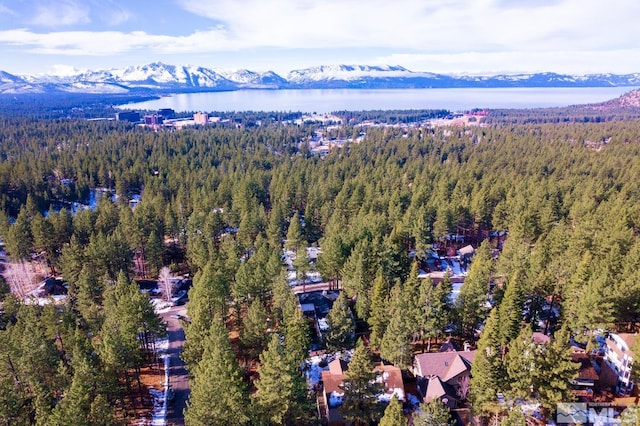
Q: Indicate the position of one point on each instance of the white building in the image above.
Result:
(619, 356)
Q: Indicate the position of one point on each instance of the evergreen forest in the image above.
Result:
(552, 208)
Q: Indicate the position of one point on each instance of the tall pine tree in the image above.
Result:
(218, 392)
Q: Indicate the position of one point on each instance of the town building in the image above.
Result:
(201, 118)
(167, 113)
(619, 357)
(153, 120)
(131, 116)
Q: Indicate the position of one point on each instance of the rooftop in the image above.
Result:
(445, 365)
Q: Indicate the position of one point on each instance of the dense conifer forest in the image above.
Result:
(221, 202)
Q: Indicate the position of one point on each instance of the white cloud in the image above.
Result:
(110, 12)
(424, 25)
(423, 35)
(60, 13)
(104, 43)
(64, 70)
(491, 63)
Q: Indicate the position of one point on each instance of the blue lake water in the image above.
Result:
(323, 101)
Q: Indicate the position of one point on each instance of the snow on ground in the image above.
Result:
(57, 299)
(387, 396)
(322, 324)
(159, 414)
(159, 397)
(314, 371)
(161, 306)
(335, 399)
(162, 345)
(455, 291)
(454, 265)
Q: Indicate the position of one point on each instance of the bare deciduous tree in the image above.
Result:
(165, 283)
(21, 277)
(463, 387)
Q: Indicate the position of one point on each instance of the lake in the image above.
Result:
(323, 101)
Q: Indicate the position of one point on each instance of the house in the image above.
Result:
(587, 379)
(333, 379)
(443, 375)
(619, 357)
(435, 388)
(466, 254)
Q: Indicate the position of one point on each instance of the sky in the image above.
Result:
(443, 36)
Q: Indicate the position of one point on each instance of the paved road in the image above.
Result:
(178, 377)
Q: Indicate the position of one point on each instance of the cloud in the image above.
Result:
(424, 25)
(491, 63)
(65, 70)
(60, 13)
(110, 12)
(4, 10)
(105, 43)
(429, 35)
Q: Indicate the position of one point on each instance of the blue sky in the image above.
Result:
(444, 36)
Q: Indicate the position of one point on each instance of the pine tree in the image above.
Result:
(218, 392)
(360, 403)
(487, 371)
(393, 415)
(254, 337)
(433, 413)
(341, 324)
(441, 306)
(153, 251)
(510, 309)
(19, 240)
(522, 363)
(470, 304)
(588, 300)
(414, 303)
(295, 240)
(334, 250)
(556, 372)
(208, 299)
(395, 346)
(297, 339)
(275, 387)
(357, 278)
(378, 318)
(75, 407)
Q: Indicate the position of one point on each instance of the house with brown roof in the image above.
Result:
(332, 386)
(443, 375)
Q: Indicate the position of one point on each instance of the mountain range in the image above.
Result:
(158, 77)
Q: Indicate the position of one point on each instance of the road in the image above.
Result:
(308, 288)
(178, 376)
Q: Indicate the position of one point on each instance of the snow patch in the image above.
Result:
(387, 396)
(335, 399)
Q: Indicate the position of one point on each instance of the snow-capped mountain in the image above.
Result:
(360, 76)
(156, 76)
(345, 72)
(162, 78)
(252, 79)
(11, 84)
